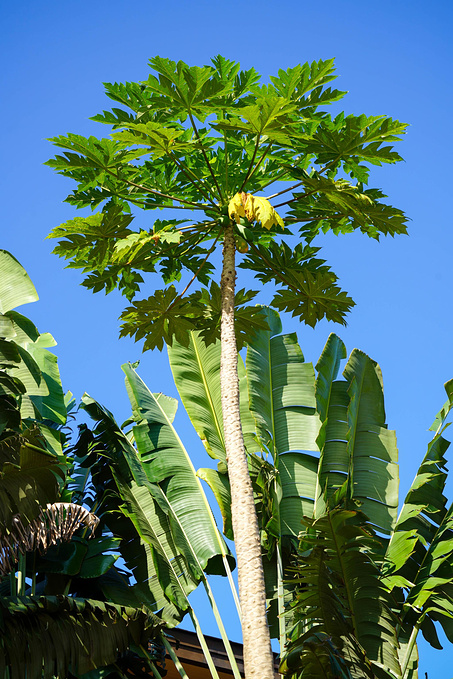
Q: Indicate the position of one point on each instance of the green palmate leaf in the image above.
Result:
(252, 136)
(163, 317)
(92, 239)
(269, 117)
(283, 260)
(43, 637)
(166, 462)
(309, 287)
(357, 137)
(313, 298)
(82, 152)
(337, 205)
(184, 86)
(295, 83)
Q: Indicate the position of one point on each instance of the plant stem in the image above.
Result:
(175, 658)
(281, 600)
(13, 583)
(148, 189)
(258, 658)
(22, 572)
(266, 151)
(223, 634)
(249, 169)
(204, 645)
(409, 649)
(154, 670)
(195, 274)
(225, 146)
(204, 155)
(290, 188)
(232, 585)
(34, 574)
(198, 184)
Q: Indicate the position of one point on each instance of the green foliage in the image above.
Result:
(152, 499)
(190, 138)
(340, 597)
(32, 405)
(321, 456)
(61, 625)
(43, 637)
(169, 317)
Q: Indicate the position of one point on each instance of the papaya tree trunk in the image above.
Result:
(258, 658)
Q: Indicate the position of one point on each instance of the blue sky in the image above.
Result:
(394, 58)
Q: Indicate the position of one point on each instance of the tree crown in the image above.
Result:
(204, 141)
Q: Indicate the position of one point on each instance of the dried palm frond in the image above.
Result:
(57, 521)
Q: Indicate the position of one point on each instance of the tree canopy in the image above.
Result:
(192, 139)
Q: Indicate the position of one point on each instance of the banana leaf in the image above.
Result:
(315, 656)
(339, 597)
(23, 351)
(327, 368)
(166, 462)
(133, 511)
(283, 404)
(419, 556)
(164, 501)
(30, 477)
(196, 371)
(358, 450)
(16, 287)
(36, 368)
(43, 637)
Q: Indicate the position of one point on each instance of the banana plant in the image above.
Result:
(50, 622)
(33, 466)
(418, 562)
(152, 498)
(362, 597)
(321, 456)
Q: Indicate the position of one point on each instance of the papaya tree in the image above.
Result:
(201, 143)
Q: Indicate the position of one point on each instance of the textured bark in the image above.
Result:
(258, 658)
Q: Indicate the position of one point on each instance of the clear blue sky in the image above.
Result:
(393, 57)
